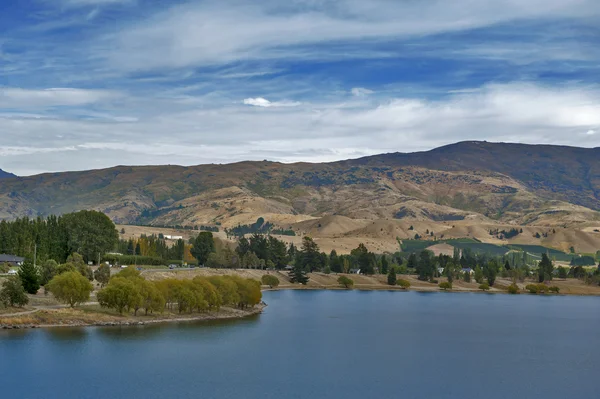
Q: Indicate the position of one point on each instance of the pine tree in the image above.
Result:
(384, 265)
(298, 275)
(391, 278)
(29, 277)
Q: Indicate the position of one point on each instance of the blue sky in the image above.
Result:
(96, 83)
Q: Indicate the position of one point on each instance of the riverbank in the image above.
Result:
(93, 315)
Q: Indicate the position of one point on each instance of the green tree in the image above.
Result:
(270, 280)
(4, 268)
(120, 294)
(203, 246)
(445, 286)
(309, 257)
(384, 265)
(102, 274)
(545, 269)
(478, 275)
(513, 289)
(391, 278)
(425, 266)
(562, 272)
(298, 275)
(30, 277)
(404, 284)
(90, 233)
(13, 293)
(71, 288)
(48, 270)
(490, 270)
(467, 276)
(484, 287)
(345, 282)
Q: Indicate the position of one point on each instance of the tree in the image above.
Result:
(90, 233)
(48, 270)
(345, 282)
(404, 284)
(467, 276)
(478, 275)
(445, 286)
(13, 293)
(545, 269)
(309, 258)
(425, 266)
(364, 259)
(391, 278)
(490, 271)
(412, 261)
(4, 268)
(270, 280)
(120, 294)
(562, 272)
(203, 246)
(298, 275)
(484, 287)
(513, 289)
(29, 277)
(71, 288)
(102, 274)
(384, 265)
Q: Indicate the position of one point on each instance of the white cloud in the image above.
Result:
(26, 98)
(167, 132)
(590, 132)
(217, 32)
(263, 102)
(361, 92)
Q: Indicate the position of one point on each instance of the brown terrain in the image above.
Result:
(458, 191)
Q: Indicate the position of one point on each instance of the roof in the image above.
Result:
(10, 258)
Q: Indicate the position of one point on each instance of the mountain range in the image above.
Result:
(4, 174)
(467, 188)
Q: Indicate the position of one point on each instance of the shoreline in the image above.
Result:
(225, 314)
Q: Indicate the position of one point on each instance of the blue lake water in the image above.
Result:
(326, 344)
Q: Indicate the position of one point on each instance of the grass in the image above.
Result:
(538, 250)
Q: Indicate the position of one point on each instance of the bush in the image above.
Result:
(345, 282)
(404, 284)
(532, 288)
(445, 286)
(513, 289)
(13, 293)
(270, 280)
(484, 287)
(554, 289)
(71, 288)
(4, 268)
(542, 288)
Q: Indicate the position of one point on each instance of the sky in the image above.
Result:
(87, 84)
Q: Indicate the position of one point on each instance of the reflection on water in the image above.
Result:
(67, 333)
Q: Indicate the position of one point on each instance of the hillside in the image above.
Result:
(458, 188)
(4, 174)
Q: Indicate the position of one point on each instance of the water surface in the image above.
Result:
(326, 344)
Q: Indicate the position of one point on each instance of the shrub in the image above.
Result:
(404, 284)
(445, 286)
(554, 289)
(484, 287)
(270, 280)
(542, 288)
(13, 293)
(513, 289)
(532, 288)
(4, 268)
(345, 282)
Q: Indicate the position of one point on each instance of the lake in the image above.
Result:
(326, 344)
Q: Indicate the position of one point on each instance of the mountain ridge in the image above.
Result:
(492, 182)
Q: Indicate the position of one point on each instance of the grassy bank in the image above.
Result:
(94, 315)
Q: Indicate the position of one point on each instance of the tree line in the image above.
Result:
(88, 233)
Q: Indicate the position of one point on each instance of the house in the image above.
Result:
(12, 260)
(468, 270)
(354, 271)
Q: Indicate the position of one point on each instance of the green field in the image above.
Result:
(536, 251)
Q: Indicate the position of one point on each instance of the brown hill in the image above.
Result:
(454, 191)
